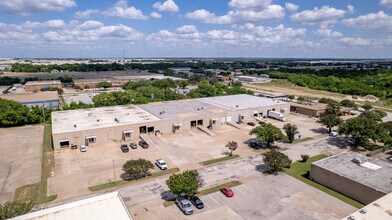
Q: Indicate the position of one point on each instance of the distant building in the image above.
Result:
(102, 207)
(362, 178)
(315, 109)
(251, 79)
(35, 86)
(221, 78)
(48, 99)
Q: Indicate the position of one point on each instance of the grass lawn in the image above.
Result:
(125, 182)
(299, 171)
(218, 160)
(302, 140)
(209, 190)
(38, 192)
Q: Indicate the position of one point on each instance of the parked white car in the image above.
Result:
(333, 134)
(83, 148)
(161, 164)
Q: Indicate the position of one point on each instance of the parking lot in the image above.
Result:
(76, 171)
(20, 158)
(177, 147)
(271, 197)
(307, 127)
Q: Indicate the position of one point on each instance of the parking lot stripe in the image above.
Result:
(223, 197)
(237, 188)
(247, 187)
(209, 196)
(175, 211)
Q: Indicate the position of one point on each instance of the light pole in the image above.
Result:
(114, 172)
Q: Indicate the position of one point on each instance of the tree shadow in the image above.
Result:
(168, 195)
(340, 142)
(320, 130)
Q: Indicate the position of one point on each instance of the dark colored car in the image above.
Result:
(124, 148)
(133, 145)
(196, 201)
(251, 123)
(257, 144)
(74, 146)
(227, 191)
(143, 144)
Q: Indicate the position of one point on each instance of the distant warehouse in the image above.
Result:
(35, 86)
(362, 178)
(124, 123)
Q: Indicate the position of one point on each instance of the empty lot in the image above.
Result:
(272, 197)
(20, 158)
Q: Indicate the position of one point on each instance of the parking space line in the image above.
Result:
(237, 188)
(223, 197)
(175, 211)
(209, 196)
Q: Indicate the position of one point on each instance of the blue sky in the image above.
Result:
(196, 28)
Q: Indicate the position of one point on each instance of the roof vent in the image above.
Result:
(236, 106)
(90, 114)
(356, 160)
(74, 125)
(363, 211)
(116, 120)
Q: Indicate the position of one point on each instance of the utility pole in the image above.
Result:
(124, 56)
(114, 172)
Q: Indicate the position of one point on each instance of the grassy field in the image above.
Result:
(299, 171)
(218, 160)
(302, 140)
(209, 190)
(124, 182)
(38, 192)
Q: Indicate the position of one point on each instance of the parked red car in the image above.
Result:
(227, 191)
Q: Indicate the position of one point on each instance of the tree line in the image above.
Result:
(361, 82)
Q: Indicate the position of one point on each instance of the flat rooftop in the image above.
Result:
(181, 108)
(371, 172)
(94, 118)
(240, 102)
(32, 97)
(106, 206)
(378, 210)
(52, 82)
(316, 106)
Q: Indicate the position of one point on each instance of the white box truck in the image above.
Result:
(276, 115)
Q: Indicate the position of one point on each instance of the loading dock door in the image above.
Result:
(193, 124)
(199, 122)
(228, 118)
(64, 143)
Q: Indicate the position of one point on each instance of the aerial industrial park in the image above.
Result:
(224, 110)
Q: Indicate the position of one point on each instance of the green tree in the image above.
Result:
(232, 145)
(136, 169)
(348, 103)
(329, 121)
(376, 115)
(291, 97)
(16, 208)
(276, 160)
(333, 109)
(360, 130)
(104, 85)
(367, 106)
(267, 133)
(291, 131)
(327, 101)
(186, 183)
(104, 99)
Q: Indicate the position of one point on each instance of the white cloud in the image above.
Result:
(167, 6)
(241, 11)
(155, 15)
(85, 14)
(278, 31)
(373, 21)
(47, 24)
(355, 41)
(187, 35)
(327, 33)
(88, 25)
(291, 7)
(386, 3)
(122, 10)
(325, 15)
(27, 7)
(187, 29)
(350, 9)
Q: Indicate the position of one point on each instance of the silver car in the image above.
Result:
(185, 205)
